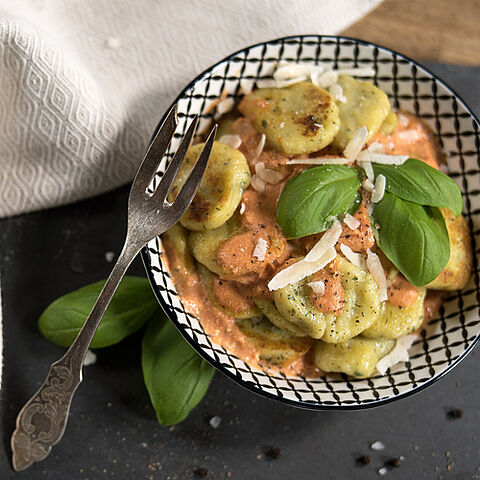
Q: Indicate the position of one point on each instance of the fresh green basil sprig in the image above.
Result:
(175, 376)
(408, 225)
(310, 199)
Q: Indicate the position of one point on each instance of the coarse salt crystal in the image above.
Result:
(379, 189)
(298, 271)
(382, 158)
(233, 141)
(398, 354)
(355, 258)
(382, 471)
(355, 145)
(90, 358)
(109, 256)
(257, 184)
(328, 241)
(377, 446)
(318, 287)
(375, 268)
(260, 250)
(215, 421)
(351, 222)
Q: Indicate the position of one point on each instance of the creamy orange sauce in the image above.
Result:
(248, 276)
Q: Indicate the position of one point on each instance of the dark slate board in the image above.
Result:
(112, 432)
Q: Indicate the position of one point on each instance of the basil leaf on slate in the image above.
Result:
(132, 305)
(309, 199)
(175, 376)
(413, 237)
(420, 183)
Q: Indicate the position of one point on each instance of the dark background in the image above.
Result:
(112, 430)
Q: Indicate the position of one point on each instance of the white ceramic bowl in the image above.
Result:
(448, 338)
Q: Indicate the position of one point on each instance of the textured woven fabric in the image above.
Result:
(83, 83)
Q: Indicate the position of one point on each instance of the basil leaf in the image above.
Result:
(132, 305)
(413, 237)
(420, 183)
(175, 376)
(309, 199)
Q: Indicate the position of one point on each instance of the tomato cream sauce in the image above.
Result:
(247, 275)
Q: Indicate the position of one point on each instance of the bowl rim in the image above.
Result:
(218, 365)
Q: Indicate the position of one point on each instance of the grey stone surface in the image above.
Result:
(112, 432)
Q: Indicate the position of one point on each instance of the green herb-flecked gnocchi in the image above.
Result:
(357, 357)
(177, 236)
(299, 119)
(208, 278)
(268, 308)
(221, 189)
(276, 346)
(360, 309)
(366, 105)
(393, 321)
(204, 244)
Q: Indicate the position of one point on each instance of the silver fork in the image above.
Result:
(42, 421)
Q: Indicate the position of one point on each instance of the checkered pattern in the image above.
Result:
(446, 339)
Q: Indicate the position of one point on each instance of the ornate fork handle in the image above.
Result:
(42, 421)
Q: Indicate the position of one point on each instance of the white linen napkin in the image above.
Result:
(83, 83)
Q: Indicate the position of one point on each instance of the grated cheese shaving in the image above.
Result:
(351, 222)
(376, 147)
(266, 83)
(260, 250)
(327, 79)
(398, 354)
(367, 166)
(357, 72)
(336, 91)
(298, 271)
(288, 71)
(375, 268)
(257, 184)
(355, 258)
(242, 208)
(355, 145)
(379, 189)
(287, 83)
(368, 185)
(382, 158)
(270, 176)
(260, 146)
(318, 161)
(318, 287)
(225, 106)
(233, 141)
(329, 240)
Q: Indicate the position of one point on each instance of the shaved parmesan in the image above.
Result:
(242, 208)
(225, 106)
(260, 250)
(351, 222)
(318, 287)
(355, 145)
(288, 71)
(298, 271)
(270, 176)
(266, 83)
(318, 161)
(257, 183)
(327, 79)
(287, 83)
(379, 189)
(383, 158)
(355, 258)
(357, 72)
(260, 146)
(368, 185)
(398, 354)
(336, 91)
(328, 241)
(367, 166)
(375, 268)
(233, 141)
(259, 167)
(376, 147)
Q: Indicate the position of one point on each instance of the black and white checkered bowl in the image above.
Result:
(448, 338)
